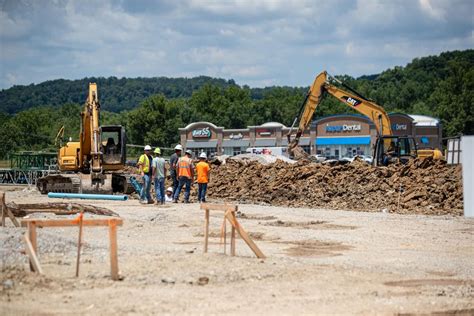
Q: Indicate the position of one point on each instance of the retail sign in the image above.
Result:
(399, 127)
(236, 136)
(264, 132)
(204, 132)
(343, 128)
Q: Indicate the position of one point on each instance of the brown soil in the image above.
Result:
(420, 187)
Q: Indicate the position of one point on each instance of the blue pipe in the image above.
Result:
(88, 196)
(136, 185)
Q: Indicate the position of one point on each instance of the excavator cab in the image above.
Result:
(113, 146)
(391, 149)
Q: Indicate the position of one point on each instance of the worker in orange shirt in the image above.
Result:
(185, 172)
(202, 170)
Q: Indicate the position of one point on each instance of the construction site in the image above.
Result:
(278, 234)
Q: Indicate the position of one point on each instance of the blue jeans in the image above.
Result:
(145, 193)
(202, 188)
(160, 189)
(174, 178)
(183, 181)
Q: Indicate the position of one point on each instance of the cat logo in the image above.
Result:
(351, 101)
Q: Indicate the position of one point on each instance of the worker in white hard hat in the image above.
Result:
(173, 162)
(146, 171)
(185, 173)
(159, 176)
(169, 195)
(202, 171)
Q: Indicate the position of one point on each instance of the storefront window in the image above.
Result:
(237, 151)
(210, 152)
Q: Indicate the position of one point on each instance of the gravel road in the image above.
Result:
(318, 262)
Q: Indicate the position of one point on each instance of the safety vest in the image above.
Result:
(184, 165)
(145, 162)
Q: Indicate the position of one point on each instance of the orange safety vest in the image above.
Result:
(184, 165)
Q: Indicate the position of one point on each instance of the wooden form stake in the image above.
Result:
(31, 239)
(79, 244)
(6, 212)
(34, 262)
(229, 215)
(113, 251)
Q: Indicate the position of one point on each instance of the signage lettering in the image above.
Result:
(264, 132)
(399, 127)
(204, 132)
(236, 136)
(351, 101)
(343, 128)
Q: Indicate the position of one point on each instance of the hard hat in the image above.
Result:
(170, 189)
(189, 152)
(178, 147)
(157, 151)
(147, 147)
(203, 155)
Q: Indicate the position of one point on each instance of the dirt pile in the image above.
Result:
(420, 187)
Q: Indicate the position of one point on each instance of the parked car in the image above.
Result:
(319, 158)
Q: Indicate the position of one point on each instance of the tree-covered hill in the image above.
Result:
(152, 109)
(117, 94)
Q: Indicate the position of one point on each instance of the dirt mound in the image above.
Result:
(420, 187)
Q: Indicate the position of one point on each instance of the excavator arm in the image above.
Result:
(322, 85)
(91, 155)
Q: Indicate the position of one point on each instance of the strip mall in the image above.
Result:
(334, 136)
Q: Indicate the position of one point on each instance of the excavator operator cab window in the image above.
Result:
(111, 145)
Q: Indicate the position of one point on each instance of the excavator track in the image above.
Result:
(78, 183)
(62, 183)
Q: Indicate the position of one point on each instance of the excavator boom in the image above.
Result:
(323, 83)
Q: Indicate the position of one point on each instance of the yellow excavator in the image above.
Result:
(95, 162)
(387, 148)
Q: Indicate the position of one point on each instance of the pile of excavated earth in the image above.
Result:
(420, 187)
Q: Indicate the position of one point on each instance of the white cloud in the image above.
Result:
(254, 42)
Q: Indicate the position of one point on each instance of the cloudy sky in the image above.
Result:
(255, 42)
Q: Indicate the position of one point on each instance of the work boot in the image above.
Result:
(150, 202)
(175, 201)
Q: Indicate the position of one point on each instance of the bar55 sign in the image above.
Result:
(204, 132)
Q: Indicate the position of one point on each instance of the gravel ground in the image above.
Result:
(318, 262)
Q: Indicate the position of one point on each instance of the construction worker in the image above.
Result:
(173, 162)
(146, 171)
(202, 171)
(159, 175)
(169, 195)
(185, 176)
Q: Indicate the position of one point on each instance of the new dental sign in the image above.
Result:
(343, 128)
(202, 133)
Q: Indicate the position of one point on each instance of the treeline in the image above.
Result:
(440, 86)
(118, 94)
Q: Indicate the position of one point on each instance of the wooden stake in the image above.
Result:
(206, 229)
(245, 236)
(232, 241)
(31, 253)
(113, 250)
(79, 243)
(32, 239)
(225, 236)
(3, 206)
(6, 211)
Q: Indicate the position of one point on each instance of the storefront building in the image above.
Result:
(333, 137)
